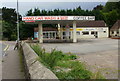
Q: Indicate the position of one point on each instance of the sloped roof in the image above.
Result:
(116, 25)
(91, 24)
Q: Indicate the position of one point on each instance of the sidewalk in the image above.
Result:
(11, 68)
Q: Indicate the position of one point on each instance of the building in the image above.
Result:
(115, 29)
(86, 29)
(89, 29)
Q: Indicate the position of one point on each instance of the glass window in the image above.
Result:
(104, 31)
(85, 33)
(92, 32)
(112, 32)
(64, 33)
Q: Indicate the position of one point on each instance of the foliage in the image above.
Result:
(9, 30)
(65, 66)
(111, 12)
(9, 19)
(68, 12)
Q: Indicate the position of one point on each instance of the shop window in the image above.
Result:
(78, 33)
(85, 33)
(43, 33)
(112, 32)
(92, 32)
(64, 33)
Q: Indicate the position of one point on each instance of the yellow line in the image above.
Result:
(6, 47)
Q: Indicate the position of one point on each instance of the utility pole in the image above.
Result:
(17, 23)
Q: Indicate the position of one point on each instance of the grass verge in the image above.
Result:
(64, 66)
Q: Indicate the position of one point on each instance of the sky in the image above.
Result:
(25, 6)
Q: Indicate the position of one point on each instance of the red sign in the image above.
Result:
(46, 18)
(38, 18)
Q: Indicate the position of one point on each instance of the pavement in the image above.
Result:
(1, 60)
(99, 55)
(11, 67)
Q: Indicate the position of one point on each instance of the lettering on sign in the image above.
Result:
(37, 18)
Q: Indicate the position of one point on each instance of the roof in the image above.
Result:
(91, 24)
(116, 25)
(46, 29)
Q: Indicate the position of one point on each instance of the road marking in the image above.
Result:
(6, 47)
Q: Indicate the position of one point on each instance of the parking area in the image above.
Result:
(84, 46)
(98, 54)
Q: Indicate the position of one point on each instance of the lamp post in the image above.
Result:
(17, 23)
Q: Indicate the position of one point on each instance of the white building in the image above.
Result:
(88, 29)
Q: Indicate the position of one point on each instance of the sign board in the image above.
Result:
(40, 18)
(35, 34)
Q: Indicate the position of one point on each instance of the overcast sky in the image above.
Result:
(25, 6)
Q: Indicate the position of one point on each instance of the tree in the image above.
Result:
(29, 13)
(111, 12)
(63, 12)
(98, 14)
(98, 7)
(69, 12)
(9, 31)
(9, 25)
(36, 12)
(111, 17)
(9, 15)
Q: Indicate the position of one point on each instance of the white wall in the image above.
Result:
(115, 32)
(103, 32)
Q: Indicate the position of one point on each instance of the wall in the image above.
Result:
(34, 68)
(99, 30)
(115, 32)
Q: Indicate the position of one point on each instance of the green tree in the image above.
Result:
(98, 14)
(69, 12)
(111, 17)
(29, 13)
(9, 30)
(63, 12)
(9, 25)
(111, 12)
(9, 15)
(36, 12)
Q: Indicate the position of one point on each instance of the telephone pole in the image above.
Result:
(17, 22)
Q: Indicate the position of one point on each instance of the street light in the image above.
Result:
(17, 23)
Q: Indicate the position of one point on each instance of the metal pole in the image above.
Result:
(17, 23)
